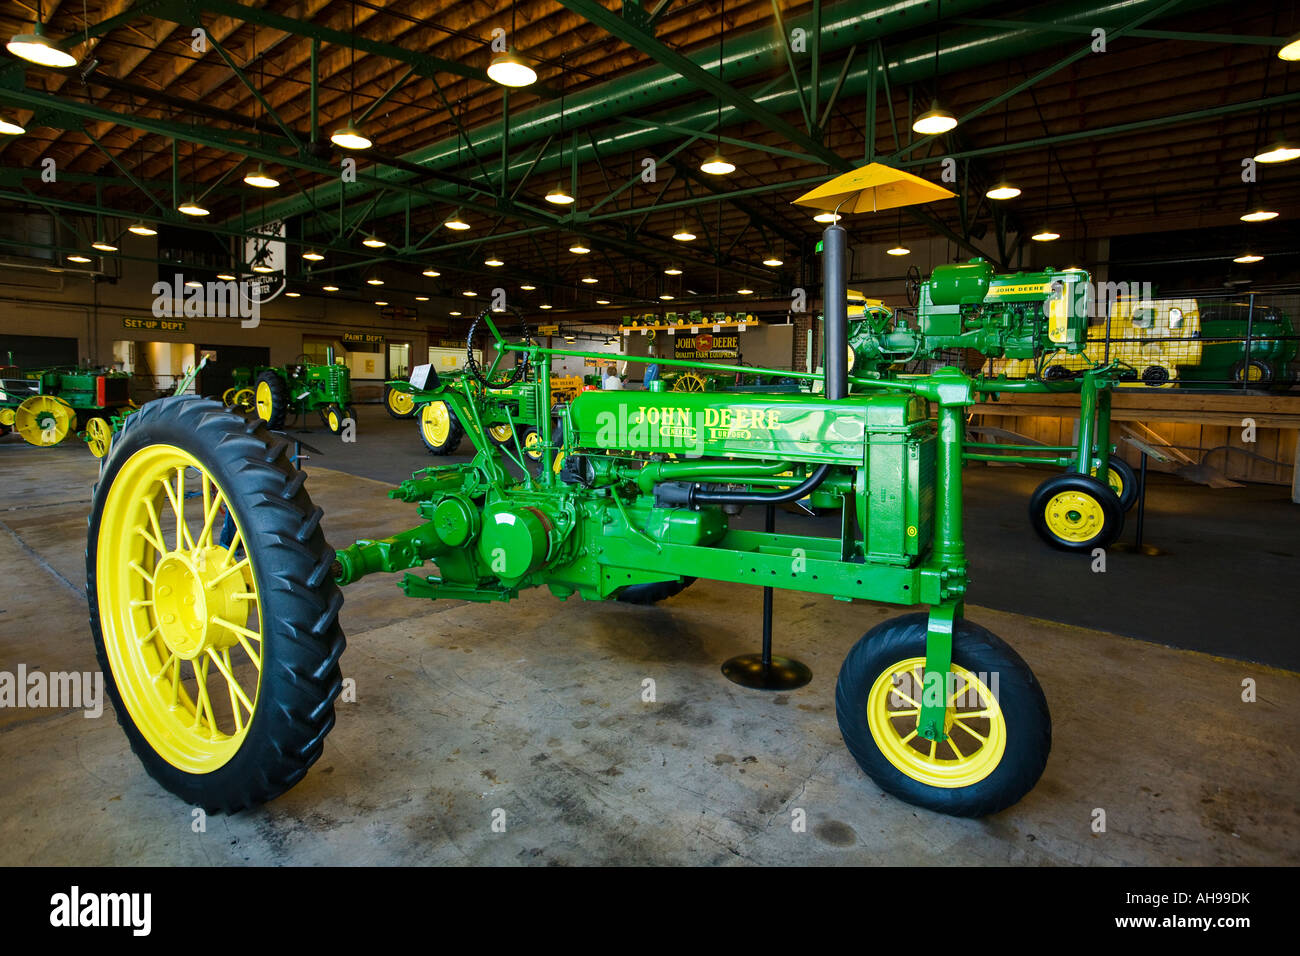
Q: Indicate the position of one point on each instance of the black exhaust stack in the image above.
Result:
(835, 310)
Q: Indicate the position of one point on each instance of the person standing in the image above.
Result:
(611, 381)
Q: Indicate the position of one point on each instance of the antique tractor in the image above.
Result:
(275, 392)
(223, 654)
(1026, 316)
(46, 405)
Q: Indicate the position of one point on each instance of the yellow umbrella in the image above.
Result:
(872, 188)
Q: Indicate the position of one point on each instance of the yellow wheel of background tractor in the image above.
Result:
(439, 429)
(99, 436)
(228, 396)
(44, 420)
(243, 400)
(400, 404)
(221, 655)
(689, 382)
(1076, 512)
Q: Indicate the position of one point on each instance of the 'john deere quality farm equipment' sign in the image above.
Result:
(705, 345)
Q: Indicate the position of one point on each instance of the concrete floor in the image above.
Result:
(534, 708)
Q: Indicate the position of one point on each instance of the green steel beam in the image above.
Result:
(638, 39)
(386, 95)
(257, 94)
(1079, 54)
(789, 61)
(1049, 27)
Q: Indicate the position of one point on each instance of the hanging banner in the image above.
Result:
(705, 345)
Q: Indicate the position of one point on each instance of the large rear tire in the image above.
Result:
(222, 661)
(999, 730)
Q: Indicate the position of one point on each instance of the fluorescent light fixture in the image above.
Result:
(36, 47)
(260, 178)
(142, 229)
(349, 137)
(509, 69)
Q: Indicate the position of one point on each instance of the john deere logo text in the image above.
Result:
(709, 417)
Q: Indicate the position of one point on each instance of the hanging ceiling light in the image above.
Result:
(373, 242)
(493, 261)
(374, 280)
(717, 164)
(261, 268)
(194, 284)
(509, 69)
(226, 276)
(773, 261)
(1279, 152)
(421, 298)
(1003, 190)
(934, 121)
(311, 255)
(469, 292)
(827, 217)
(381, 302)
(683, 233)
(1045, 235)
(77, 257)
(602, 301)
(672, 271)
(260, 179)
(559, 195)
(431, 273)
(1259, 214)
(590, 280)
(579, 248)
(527, 287)
(898, 250)
(744, 291)
(457, 314)
(456, 222)
(1290, 52)
(1248, 257)
(191, 207)
(103, 245)
(11, 127)
(36, 47)
(545, 305)
(330, 288)
(142, 229)
(570, 339)
(293, 295)
(349, 137)
(666, 297)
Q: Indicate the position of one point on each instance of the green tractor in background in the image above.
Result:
(45, 406)
(1268, 363)
(273, 392)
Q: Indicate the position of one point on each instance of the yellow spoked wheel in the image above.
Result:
(689, 382)
(439, 429)
(214, 615)
(99, 436)
(228, 396)
(400, 404)
(7, 416)
(44, 420)
(532, 445)
(1076, 512)
(243, 400)
(997, 729)
(975, 728)
(501, 433)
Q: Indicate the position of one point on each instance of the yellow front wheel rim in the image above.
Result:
(44, 420)
(1074, 516)
(264, 401)
(1116, 482)
(332, 418)
(500, 432)
(400, 402)
(180, 614)
(975, 727)
(533, 446)
(99, 435)
(435, 422)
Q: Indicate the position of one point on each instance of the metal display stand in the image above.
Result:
(1138, 546)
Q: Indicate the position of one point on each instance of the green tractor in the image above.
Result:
(45, 406)
(967, 309)
(274, 392)
(227, 698)
(1244, 344)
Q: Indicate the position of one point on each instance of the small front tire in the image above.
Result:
(1074, 512)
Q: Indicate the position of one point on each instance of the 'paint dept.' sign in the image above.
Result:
(705, 345)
